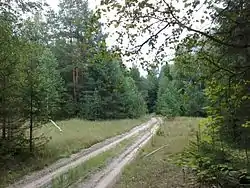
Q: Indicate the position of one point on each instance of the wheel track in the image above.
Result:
(107, 177)
(44, 177)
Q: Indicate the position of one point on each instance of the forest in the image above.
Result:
(56, 65)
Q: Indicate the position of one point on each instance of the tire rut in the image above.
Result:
(44, 177)
(107, 177)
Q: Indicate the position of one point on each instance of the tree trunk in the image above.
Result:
(74, 83)
(4, 110)
(31, 119)
(4, 128)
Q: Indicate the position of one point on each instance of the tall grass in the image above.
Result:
(79, 134)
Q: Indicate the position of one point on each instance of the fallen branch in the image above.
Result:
(56, 125)
(153, 152)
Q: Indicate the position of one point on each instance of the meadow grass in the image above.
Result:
(79, 134)
(156, 169)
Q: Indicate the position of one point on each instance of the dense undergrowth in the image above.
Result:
(214, 162)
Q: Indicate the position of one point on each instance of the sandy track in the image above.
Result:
(44, 177)
(107, 177)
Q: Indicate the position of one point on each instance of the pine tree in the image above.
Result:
(168, 98)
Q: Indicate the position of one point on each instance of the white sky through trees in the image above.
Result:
(92, 5)
(111, 40)
(54, 3)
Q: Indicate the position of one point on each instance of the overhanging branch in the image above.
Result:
(151, 37)
(203, 33)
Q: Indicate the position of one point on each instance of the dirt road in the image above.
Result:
(44, 178)
(107, 177)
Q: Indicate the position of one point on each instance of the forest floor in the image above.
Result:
(76, 135)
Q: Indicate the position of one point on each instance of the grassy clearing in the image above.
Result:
(156, 170)
(77, 134)
(82, 172)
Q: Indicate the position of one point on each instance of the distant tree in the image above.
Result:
(134, 102)
(109, 94)
(77, 42)
(168, 98)
(152, 82)
(140, 81)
